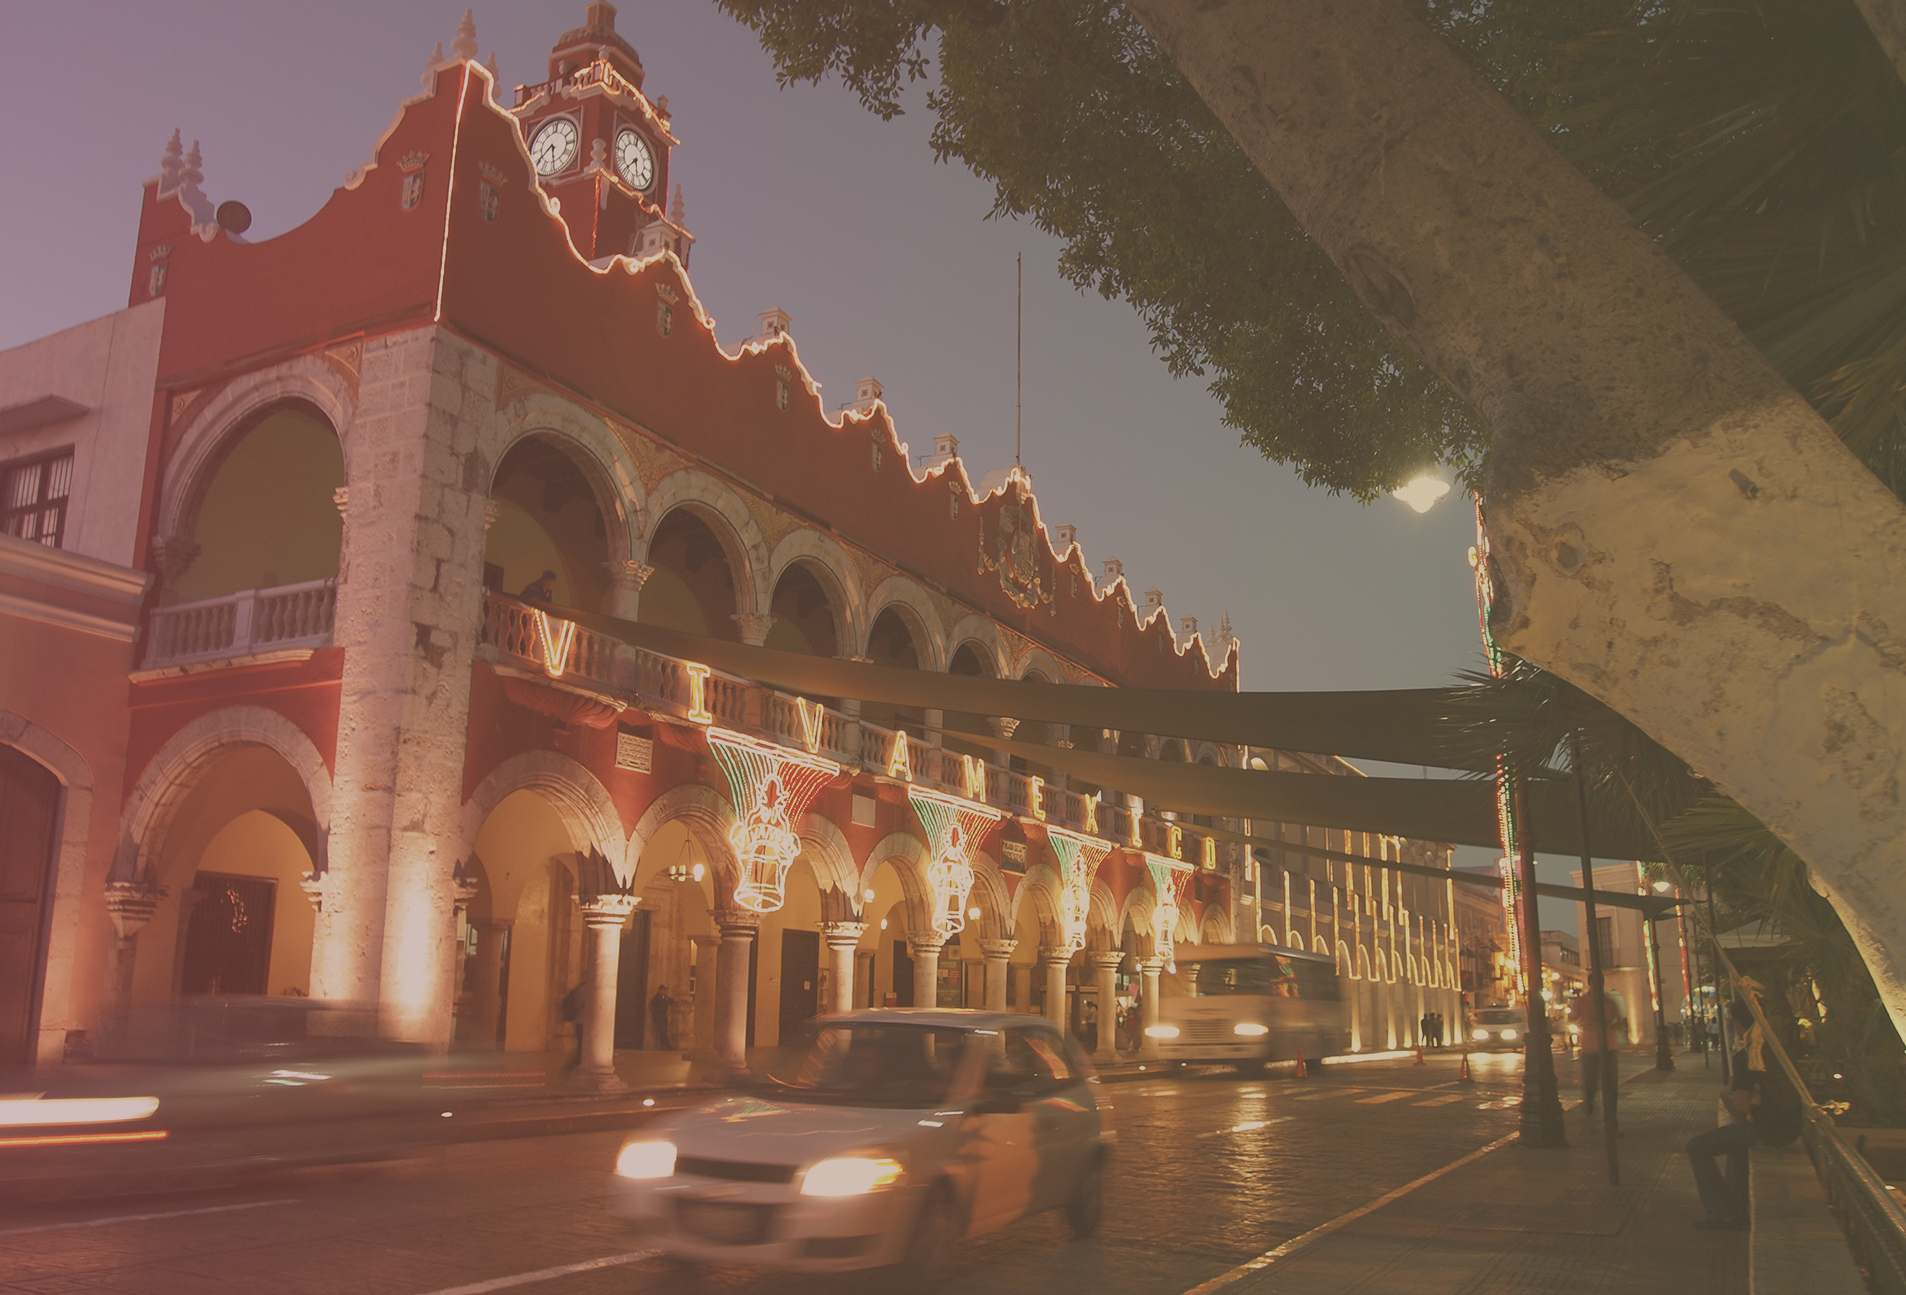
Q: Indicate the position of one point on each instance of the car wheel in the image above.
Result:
(679, 1274)
(929, 1254)
(1087, 1205)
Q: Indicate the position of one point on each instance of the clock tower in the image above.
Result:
(600, 146)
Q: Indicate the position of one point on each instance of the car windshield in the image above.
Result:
(870, 1063)
(1501, 1016)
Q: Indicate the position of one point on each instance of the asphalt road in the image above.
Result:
(1211, 1171)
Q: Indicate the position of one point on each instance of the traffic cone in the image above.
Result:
(1419, 1054)
(1463, 1076)
(1302, 1071)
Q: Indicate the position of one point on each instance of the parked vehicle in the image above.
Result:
(1494, 1029)
(1247, 1004)
(879, 1137)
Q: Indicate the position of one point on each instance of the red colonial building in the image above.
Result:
(282, 712)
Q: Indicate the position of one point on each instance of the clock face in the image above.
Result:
(633, 160)
(554, 147)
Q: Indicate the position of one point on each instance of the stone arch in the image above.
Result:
(69, 873)
(727, 514)
(307, 380)
(1037, 658)
(583, 804)
(606, 462)
(830, 856)
(908, 855)
(708, 817)
(922, 618)
(1219, 916)
(835, 570)
(1042, 886)
(988, 644)
(997, 914)
(169, 776)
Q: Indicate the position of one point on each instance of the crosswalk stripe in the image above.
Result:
(1386, 1097)
(1442, 1099)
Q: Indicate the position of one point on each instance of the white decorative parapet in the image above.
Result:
(242, 624)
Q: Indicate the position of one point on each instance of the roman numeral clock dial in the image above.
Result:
(554, 146)
(634, 161)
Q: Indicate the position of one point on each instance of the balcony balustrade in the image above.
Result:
(243, 624)
(596, 663)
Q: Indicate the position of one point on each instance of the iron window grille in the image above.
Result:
(33, 495)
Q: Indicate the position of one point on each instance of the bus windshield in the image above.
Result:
(1268, 976)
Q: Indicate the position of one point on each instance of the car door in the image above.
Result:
(997, 1131)
(1065, 1120)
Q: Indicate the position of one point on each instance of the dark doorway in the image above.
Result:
(800, 980)
(29, 809)
(632, 983)
(228, 937)
(902, 975)
(754, 980)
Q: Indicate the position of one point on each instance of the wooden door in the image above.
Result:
(632, 982)
(800, 980)
(29, 817)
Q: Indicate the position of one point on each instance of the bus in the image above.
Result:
(1246, 1004)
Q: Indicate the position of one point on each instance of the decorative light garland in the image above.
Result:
(772, 787)
(1170, 879)
(1079, 859)
(556, 642)
(1506, 790)
(955, 827)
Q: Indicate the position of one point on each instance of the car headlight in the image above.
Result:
(1508, 1036)
(646, 1160)
(851, 1176)
(1161, 1031)
(1250, 1029)
(1480, 1034)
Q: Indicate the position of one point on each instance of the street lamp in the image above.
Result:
(1422, 492)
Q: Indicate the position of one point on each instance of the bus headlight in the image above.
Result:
(1251, 1029)
(1508, 1036)
(1161, 1031)
(1479, 1034)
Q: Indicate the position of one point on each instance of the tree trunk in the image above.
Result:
(1887, 18)
(1677, 532)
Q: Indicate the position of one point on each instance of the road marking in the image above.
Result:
(1326, 1096)
(1388, 1097)
(1323, 1230)
(546, 1274)
(141, 1218)
(1442, 1099)
(1249, 1126)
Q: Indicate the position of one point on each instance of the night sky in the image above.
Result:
(798, 198)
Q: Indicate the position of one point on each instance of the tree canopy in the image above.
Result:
(1759, 140)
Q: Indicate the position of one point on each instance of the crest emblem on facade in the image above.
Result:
(1015, 554)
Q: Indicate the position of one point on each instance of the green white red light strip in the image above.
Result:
(1506, 826)
(1079, 858)
(772, 788)
(955, 828)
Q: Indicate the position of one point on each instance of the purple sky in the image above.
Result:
(798, 198)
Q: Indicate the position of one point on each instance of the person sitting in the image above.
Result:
(1762, 1106)
(540, 590)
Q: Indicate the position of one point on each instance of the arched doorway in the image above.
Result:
(974, 662)
(526, 902)
(692, 587)
(548, 519)
(806, 617)
(891, 642)
(29, 809)
(264, 516)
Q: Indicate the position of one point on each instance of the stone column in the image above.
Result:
(842, 939)
(626, 578)
(754, 627)
(1106, 967)
(738, 931)
(487, 1006)
(998, 954)
(1003, 728)
(131, 905)
(925, 948)
(1055, 961)
(605, 916)
(1148, 1003)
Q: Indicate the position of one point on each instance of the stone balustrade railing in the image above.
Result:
(243, 624)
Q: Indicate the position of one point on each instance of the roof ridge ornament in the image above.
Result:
(465, 44)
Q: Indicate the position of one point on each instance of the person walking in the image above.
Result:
(659, 1005)
(1582, 1015)
(1426, 1030)
(1436, 1028)
(571, 1011)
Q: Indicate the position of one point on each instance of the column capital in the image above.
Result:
(607, 910)
(842, 935)
(925, 942)
(1107, 958)
(341, 499)
(463, 890)
(1154, 964)
(131, 905)
(1004, 727)
(173, 554)
(490, 510)
(1055, 957)
(628, 573)
(998, 950)
(315, 886)
(737, 922)
(754, 626)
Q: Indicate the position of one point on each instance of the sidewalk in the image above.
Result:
(1519, 1220)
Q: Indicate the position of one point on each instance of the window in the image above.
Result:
(1605, 941)
(1028, 1065)
(33, 497)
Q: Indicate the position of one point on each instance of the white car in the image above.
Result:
(879, 1137)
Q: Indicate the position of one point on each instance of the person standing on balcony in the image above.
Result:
(540, 590)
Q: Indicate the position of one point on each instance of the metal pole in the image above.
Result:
(1720, 1002)
(1597, 1002)
(1664, 1055)
(1542, 1124)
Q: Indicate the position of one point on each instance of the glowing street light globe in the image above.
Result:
(1422, 493)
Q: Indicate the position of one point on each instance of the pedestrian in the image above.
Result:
(1582, 1016)
(1425, 1030)
(540, 590)
(571, 1010)
(659, 1005)
(1436, 1028)
(1761, 1106)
